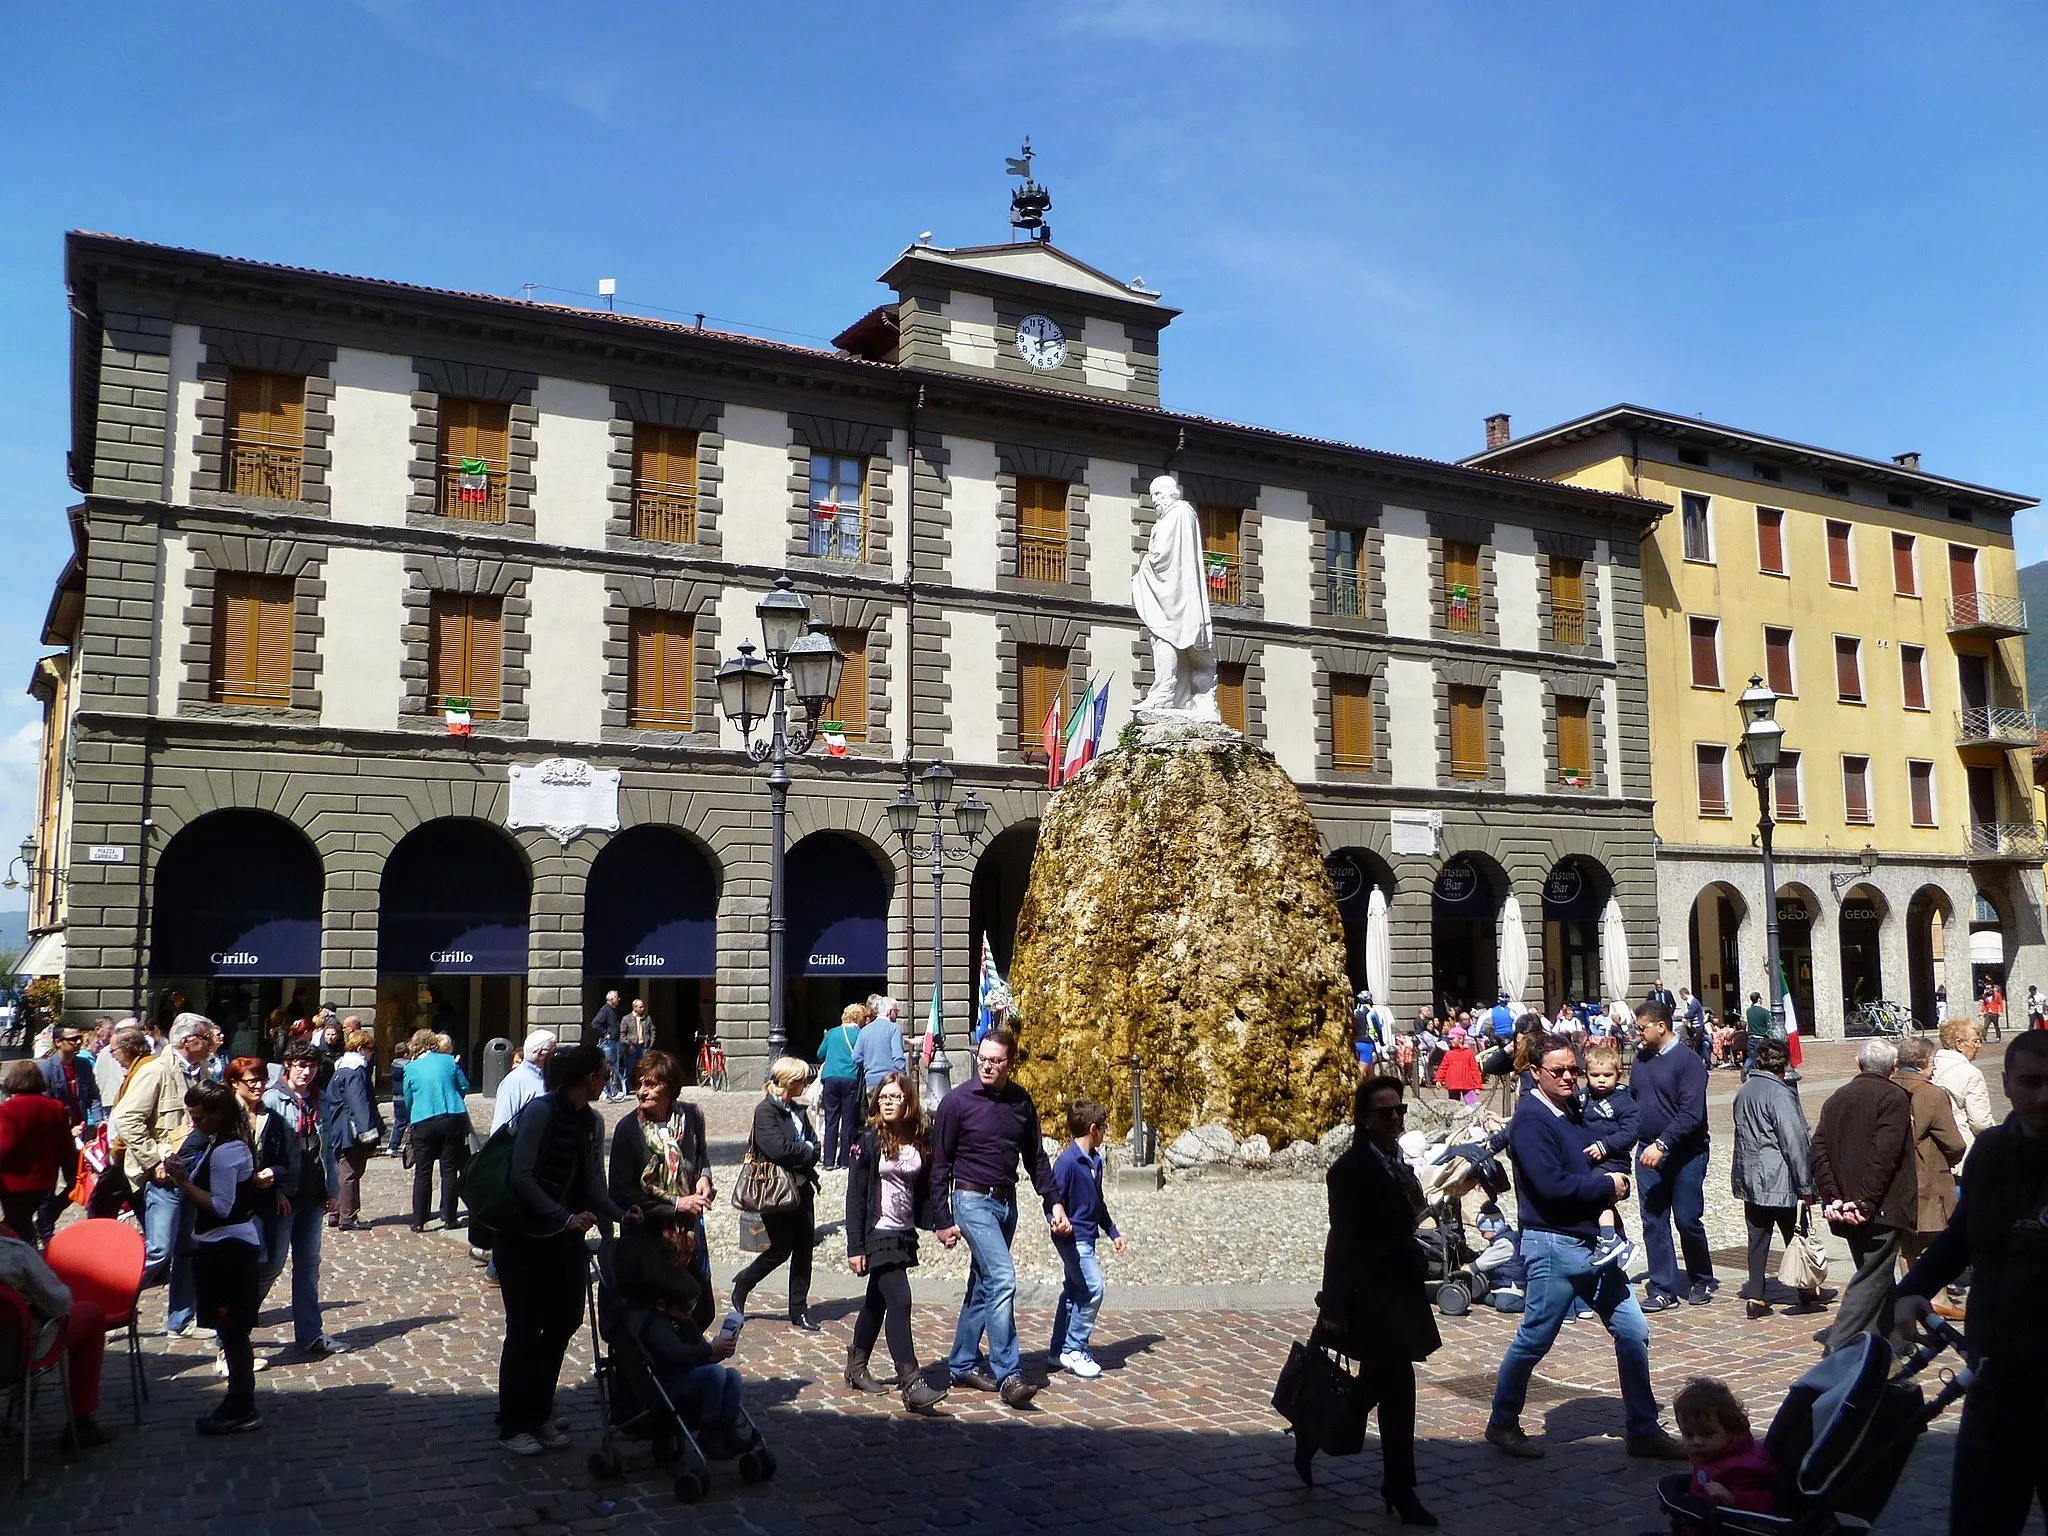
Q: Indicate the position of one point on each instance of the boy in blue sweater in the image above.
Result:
(1611, 1115)
(1078, 1173)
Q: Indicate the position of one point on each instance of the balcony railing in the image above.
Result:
(471, 495)
(665, 513)
(1041, 557)
(1567, 623)
(1347, 595)
(1223, 578)
(1575, 778)
(2017, 842)
(1461, 611)
(1981, 613)
(1713, 804)
(1468, 767)
(1994, 726)
(269, 470)
(838, 531)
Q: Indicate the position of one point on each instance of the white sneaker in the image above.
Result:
(522, 1445)
(1081, 1363)
(220, 1363)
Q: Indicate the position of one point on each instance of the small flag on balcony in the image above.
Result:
(834, 732)
(457, 716)
(1219, 574)
(475, 485)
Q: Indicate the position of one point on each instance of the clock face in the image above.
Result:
(1041, 343)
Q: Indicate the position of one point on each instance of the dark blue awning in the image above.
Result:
(237, 893)
(453, 903)
(1464, 892)
(651, 908)
(838, 909)
(1575, 892)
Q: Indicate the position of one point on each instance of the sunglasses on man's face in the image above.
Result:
(1391, 1109)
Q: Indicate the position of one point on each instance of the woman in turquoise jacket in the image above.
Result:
(439, 1120)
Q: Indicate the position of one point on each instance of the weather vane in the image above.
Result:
(1030, 203)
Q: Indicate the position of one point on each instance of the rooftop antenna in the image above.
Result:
(529, 287)
(1030, 203)
(607, 289)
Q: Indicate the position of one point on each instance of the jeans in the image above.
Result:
(990, 1305)
(1675, 1192)
(296, 1236)
(839, 1106)
(1560, 1269)
(163, 1211)
(615, 1082)
(443, 1139)
(541, 1280)
(1866, 1301)
(2001, 1469)
(704, 1395)
(1073, 1321)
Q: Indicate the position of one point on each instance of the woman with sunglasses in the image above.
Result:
(1372, 1307)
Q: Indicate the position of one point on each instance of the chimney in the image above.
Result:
(1497, 430)
(1906, 460)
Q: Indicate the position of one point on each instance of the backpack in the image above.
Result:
(487, 1181)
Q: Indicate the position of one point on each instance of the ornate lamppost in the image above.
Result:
(1762, 741)
(752, 690)
(970, 816)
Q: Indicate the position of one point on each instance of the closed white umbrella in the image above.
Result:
(1614, 953)
(1379, 950)
(1514, 953)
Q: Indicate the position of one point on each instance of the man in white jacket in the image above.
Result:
(1956, 1071)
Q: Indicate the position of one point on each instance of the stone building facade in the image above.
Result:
(317, 509)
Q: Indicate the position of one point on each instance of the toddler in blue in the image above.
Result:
(1078, 1173)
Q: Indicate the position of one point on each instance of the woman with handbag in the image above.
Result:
(779, 1181)
(1372, 1307)
(350, 1125)
(1772, 1174)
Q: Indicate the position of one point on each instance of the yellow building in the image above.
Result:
(1882, 603)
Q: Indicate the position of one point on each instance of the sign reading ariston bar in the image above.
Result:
(566, 796)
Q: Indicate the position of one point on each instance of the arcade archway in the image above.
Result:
(1355, 873)
(837, 948)
(1464, 938)
(1575, 895)
(1714, 935)
(650, 930)
(452, 935)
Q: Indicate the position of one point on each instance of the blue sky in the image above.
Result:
(1382, 221)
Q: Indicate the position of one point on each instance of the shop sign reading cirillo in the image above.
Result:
(634, 962)
(451, 957)
(827, 960)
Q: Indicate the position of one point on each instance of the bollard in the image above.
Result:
(1142, 1172)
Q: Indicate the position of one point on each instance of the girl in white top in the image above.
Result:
(227, 1248)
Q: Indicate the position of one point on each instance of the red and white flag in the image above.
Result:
(1053, 737)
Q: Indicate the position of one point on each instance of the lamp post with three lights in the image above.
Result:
(969, 816)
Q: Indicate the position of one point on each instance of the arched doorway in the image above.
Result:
(451, 936)
(1355, 873)
(1859, 925)
(1797, 908)
(236, 924)
(837, 948)
(1575, 894)
(1987, 954)
(1464, 941)
(1929, 917)
(650, 930)
(995, 898)
(1714, 928)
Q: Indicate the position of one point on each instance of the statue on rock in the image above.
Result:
(1171, 594)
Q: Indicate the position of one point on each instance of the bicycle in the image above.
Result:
(711, 1064)
(1882, 1018)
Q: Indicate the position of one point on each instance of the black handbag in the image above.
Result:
(1326, 1403)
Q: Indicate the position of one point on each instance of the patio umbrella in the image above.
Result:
(1514, 953)
(1379, 957)
(1614, 952)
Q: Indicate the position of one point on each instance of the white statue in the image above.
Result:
(1171, 594)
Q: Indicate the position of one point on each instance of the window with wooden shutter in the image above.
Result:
(1787, 802)
(475, 447)
(1710, 765)
(1221, 529)
(1574, 743)
(1848, 669)
(1345, 548)
(1778, 662)
(1351, 736)
(1230, 694)
(266, 434)
(252, 639)
(1706, 652)
(1913, 675)
(466, 653)
(1567, 601)
(1694, 513)
(849, 705)
(1841, 565)
(1856, 791)
(1921, 777)
(1461, 587)
(664, 484)
(1468, 733)
(1041, 678)
(661, 670)
(1041, 529)
(1770, 541)
(1905, 575)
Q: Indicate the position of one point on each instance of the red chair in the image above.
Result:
(101, 1260)
(21, 1367)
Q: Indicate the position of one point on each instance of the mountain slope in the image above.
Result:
(2034, 588)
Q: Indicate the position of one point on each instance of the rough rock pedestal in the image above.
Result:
(1179, 909)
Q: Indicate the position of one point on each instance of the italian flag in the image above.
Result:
(457, 715)
(1219, 574)
(835, 737)
(1791, 1016)
(1079, 742)
(475, 486)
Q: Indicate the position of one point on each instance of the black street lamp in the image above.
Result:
(753, 690)
(1762, 740)
(969, 816)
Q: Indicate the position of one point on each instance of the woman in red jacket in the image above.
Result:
(35, 1138)
(1458, 1073)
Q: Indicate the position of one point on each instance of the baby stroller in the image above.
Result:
(1453, 1277)
(1839, 1441)
(634, 1405)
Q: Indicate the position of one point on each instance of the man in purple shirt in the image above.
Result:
(981, 1131)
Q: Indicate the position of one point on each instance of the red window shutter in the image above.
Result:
(1706, 653)
(1905, 576)
(1841, 570)
(1770, 540)
(1923, 794)
(1913, 676)
(1785, 788)
(1351, 740)
(1230, 693)
(1848, 669)
(1778, 661)
(1962, 570)
(1712, 781)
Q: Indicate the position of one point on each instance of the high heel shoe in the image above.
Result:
(1409, 1508)
(1304, 1461)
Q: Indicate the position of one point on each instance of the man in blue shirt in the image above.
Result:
(1670, 1086)
(879, 1049)
(1503, 1019)
(1561, 1195)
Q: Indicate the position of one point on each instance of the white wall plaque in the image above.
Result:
(1417, 832)
(566, 796)
(106, 853)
